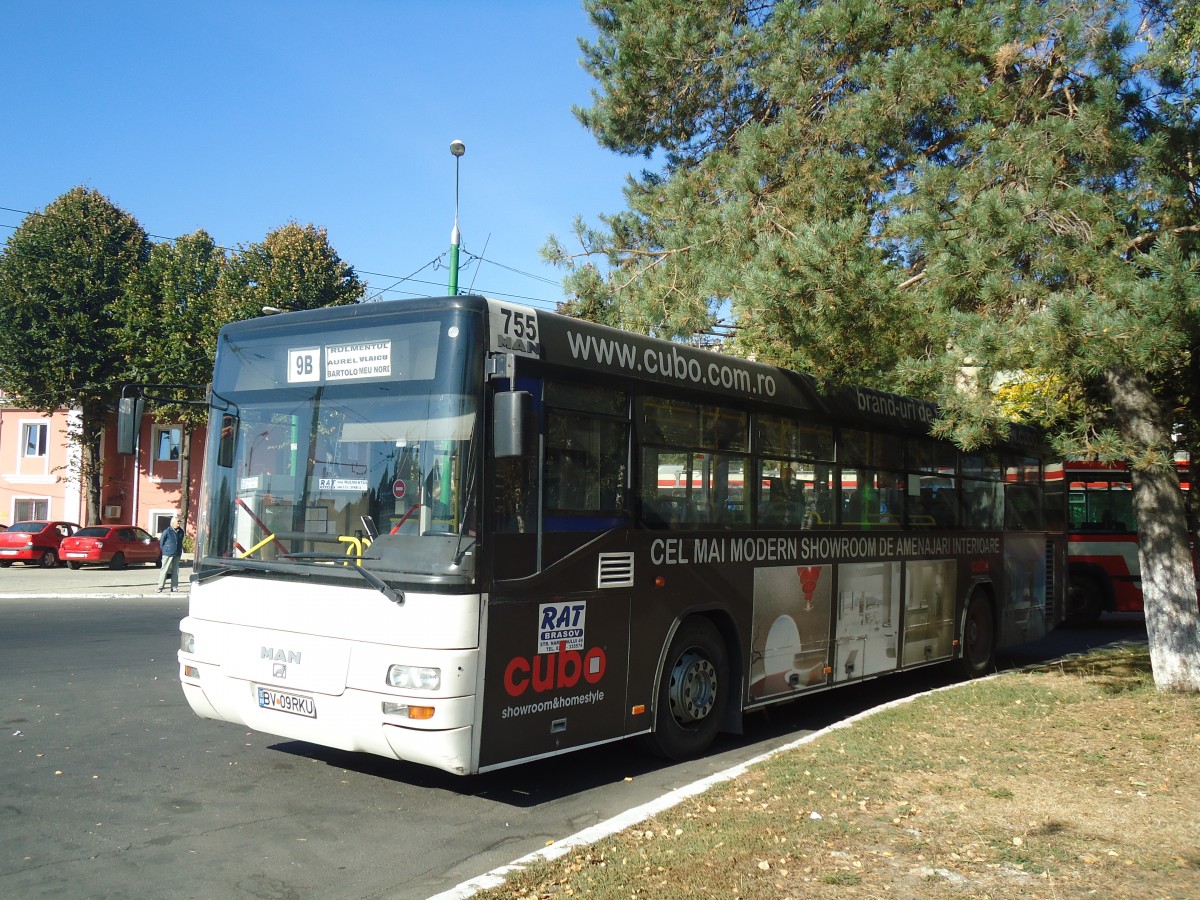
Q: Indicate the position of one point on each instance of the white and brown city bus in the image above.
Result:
(469, 534)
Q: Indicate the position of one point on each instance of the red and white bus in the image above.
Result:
(470, 534)
(1102, 548)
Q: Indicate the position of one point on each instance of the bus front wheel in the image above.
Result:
(691, 691)
(978, 637)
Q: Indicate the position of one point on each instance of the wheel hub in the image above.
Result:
(693, 692)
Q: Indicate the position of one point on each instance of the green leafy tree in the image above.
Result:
(293, 268)
(190, 289)
(169, 335)
(895, 194)
(63, 275)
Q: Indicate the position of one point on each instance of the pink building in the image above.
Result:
(40, 471)
(146, 489)
(39, 467)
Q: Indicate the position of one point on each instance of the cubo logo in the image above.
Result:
(551, 671)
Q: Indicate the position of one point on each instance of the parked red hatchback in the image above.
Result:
(34, 543)
(113, 545)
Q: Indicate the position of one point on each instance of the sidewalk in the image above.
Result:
(90, 582)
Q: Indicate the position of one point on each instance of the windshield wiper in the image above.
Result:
(220, 570)
(393, 594)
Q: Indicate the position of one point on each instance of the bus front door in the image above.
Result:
(555, 674)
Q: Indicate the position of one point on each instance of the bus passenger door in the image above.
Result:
(555, 674)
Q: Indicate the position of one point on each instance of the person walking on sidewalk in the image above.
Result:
(172, 549)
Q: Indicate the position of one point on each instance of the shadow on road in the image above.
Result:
(532, 784)
(1111, 630)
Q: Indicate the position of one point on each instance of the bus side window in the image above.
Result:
(860, 498)
(983, 504)
(659, 478)
(585, 463)
(781, 495)
(661, 512)
(515, 542)
(662, 498)
(516, 493)
(982, 490)
(585, 476)
(1022, 493)
(945, 507)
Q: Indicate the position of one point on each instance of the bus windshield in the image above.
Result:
(328, 473)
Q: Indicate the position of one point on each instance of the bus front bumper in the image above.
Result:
(354, 720)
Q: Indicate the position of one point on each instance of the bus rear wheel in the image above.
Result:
(978, 637)
(691, 692)
(1083, 601)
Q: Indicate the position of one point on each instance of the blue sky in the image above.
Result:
(240, 116)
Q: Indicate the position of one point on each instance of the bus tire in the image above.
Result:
(978, 647)
(691, 692)
(1084, 601)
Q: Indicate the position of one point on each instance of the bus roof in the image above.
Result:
(580, 345)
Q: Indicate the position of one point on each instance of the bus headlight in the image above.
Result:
(422, 678)
(187, 642)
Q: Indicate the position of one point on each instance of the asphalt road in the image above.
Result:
(111, 787)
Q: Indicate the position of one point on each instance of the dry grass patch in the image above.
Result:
(1076, 780)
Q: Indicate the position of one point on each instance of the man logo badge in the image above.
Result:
(279, 655)
(280, 659)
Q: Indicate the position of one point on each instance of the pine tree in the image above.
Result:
(896, 193)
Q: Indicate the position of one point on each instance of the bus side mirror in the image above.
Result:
(229, 432)
(513, 426)
(129, 423)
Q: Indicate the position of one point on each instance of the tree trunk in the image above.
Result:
(91, 430)
(1164, 547)
(185, 474)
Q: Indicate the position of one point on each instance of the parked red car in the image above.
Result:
(34, 543)
(113, 545)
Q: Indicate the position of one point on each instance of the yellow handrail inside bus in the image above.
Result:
(354, 547)
(258, 546)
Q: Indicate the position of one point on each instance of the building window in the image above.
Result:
(34, 438)
(167, 445)
(31, 509)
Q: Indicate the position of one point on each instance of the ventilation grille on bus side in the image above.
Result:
(616, 570)
(1050, 585)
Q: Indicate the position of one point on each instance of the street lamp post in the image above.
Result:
(458, 148)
